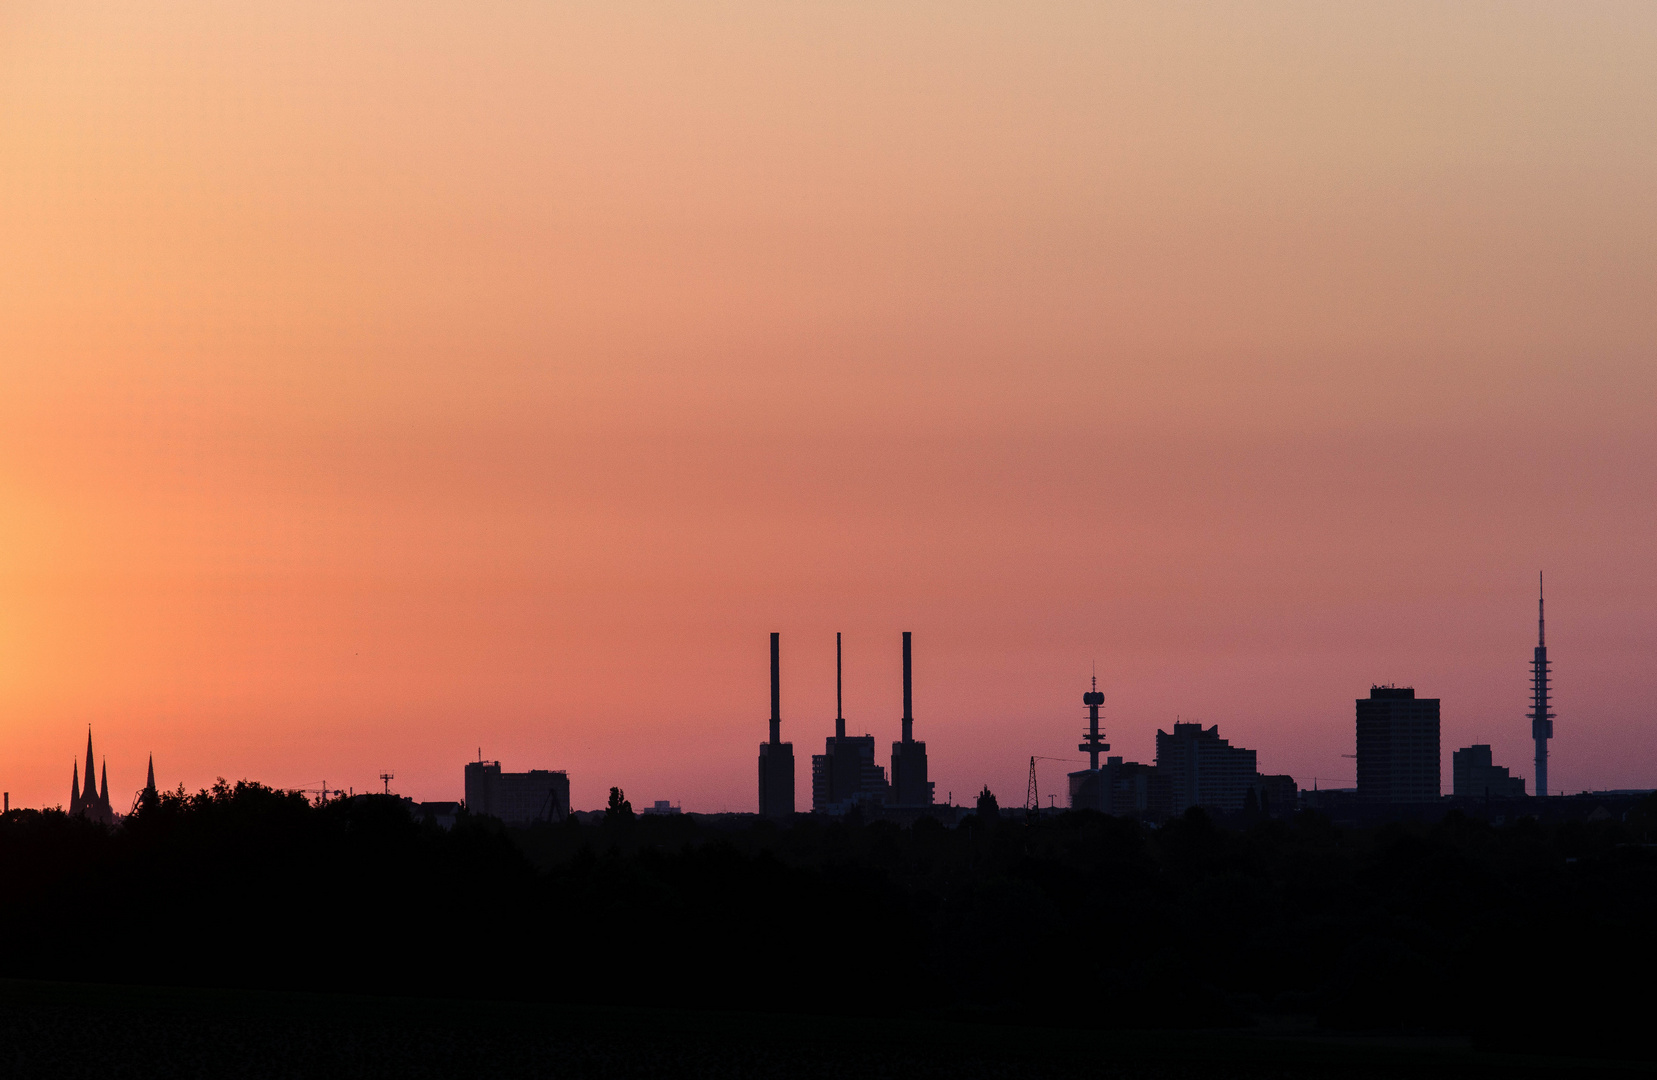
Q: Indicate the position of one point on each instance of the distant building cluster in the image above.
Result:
(1398, 755)
(1194, 767)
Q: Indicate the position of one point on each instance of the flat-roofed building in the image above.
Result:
(1398, 746)
(517, 798)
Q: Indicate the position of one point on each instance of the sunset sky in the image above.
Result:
(382, 383)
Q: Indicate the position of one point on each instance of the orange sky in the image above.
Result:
(379, 382)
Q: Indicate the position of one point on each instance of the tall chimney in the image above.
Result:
(839, 700)
(776, 693)
(908, 694)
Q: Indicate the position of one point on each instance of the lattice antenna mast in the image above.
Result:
(1541, 716)
(1032, 797)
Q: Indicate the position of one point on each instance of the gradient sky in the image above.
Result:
(383, 382)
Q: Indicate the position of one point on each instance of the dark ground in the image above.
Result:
(67, 1031)
(1075, 944)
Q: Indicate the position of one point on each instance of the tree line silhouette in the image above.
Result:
(1525, 936)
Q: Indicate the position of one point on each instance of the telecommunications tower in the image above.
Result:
(1094, 743)
(1541, 719)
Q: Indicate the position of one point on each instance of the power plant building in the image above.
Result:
(1474, 775)
(845, 775)
(776, 758)
(910, 787)
(517, 798)
(1203, 769)
(1398, 746)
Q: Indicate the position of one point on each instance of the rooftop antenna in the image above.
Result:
(386, 779)
(839, 700)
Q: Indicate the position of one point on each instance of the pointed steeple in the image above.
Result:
(103, 786)
(75, 790)
(149, 782)
(90, 792)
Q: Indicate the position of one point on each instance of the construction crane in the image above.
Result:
(322, 793)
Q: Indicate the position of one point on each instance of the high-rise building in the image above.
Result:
(517, 798)
(1203, 769)
(1541, 718)
(845, 774)
(1398, 747)
(1474, 775)
(910, 787)
(776, 758)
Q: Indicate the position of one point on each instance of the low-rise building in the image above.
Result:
(1473, 774)
(1124, 789)
(517, 798)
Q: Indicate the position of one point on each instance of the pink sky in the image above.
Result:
(381, 382)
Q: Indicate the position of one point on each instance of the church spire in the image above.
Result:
(90, 792)
(103, 793)
(149, 783)
(75, 790)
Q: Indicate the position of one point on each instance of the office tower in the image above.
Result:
(910, 787)
(1398, 747)
(1203, 769)
(776, 758)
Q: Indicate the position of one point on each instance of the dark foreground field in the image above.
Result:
(1064, 945)
(66, 1031)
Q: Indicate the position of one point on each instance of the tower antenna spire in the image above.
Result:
(1541, 622)
(1541, 717)
(1093, 743)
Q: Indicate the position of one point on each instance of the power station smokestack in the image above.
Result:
(839, 700)
(776, 693)
(776, 758)
(908, 694)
